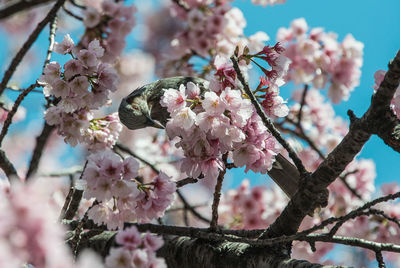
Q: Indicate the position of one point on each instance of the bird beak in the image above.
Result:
(151, 123)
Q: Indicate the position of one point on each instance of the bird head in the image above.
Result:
(135, 111)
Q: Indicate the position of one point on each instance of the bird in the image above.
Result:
(142, 108)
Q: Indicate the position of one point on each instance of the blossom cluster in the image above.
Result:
(121, 196)
(110, 22)
(395, 103)
(318, 120)
(318, 58)
(211, 124)
(273, 104)
(30, 234)
(84, 85)
(135, 251)
(251, 208)
(205, 30)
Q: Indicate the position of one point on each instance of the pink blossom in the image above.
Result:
(212, 104)
(174, 100)
(65, 46)
(95, 47)
(51, 72)
(299, 27)
(184, 118)
(130, 168)
(107, 76)
(87, 57)
(152, 242)
(72, 67)
(129, 238)
(92, 17)
(119, 258)
(319, 58)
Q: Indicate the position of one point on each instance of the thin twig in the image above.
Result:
(77, 5)
(185, 181)
(217, 196)
(75, 240)
(387, 217)
(379, 259)
(41, 141)
(8, 167)
(66, 203)
(182, 5)
(75, 200)
(52, 35)
(72, 14)
(267, 122)
(303, 101)
(14, 109)
(174, 209)
(351, 189)
(28, 43)
(20, 6)
(191, 208)
(128, 151)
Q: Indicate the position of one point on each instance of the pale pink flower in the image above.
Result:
(173, 99)
(88, 58)
(129, 238)
(65, 46)
(119, 258)
(72, 67)
(195, 19)
(212, 104)
(95, 47)
(52, 71)
(130, 168)
(184, 118)
(60, 88)
(299, 27)
(152, 242)
(192, 91)
(92, 17)
(140, 258)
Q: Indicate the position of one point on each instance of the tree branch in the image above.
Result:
(360, 131)
(14, 109)
(267, 122)
(41, 141)
(20, 6)
(217, 196)
(8, 167)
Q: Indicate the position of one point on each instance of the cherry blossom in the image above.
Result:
(136, 250)
(318, 58)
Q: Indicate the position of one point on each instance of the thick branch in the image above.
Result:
(360, 131)
(189, 252)
(389, 131)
